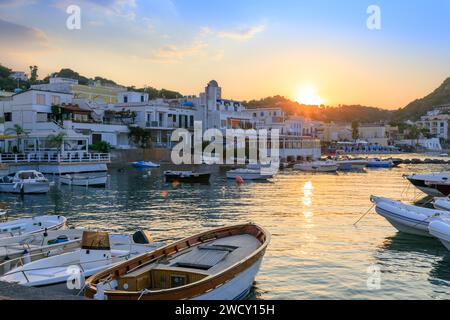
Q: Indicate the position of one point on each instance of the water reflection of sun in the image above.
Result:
(307, 194)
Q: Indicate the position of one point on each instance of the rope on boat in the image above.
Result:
(365, 214)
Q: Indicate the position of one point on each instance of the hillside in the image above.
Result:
(420, 107)
(343, 113)
(10, 85)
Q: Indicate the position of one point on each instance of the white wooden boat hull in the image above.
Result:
(314, 168)
(31, 226)
(87, 182)
(26, 188)
(237, 288)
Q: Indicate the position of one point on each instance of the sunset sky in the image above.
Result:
(320, 49)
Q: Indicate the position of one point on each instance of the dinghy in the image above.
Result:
(379, 163)
(187, 176)
(216, 265)
(250, 174)
(407, 218)
(97, 253)
(31, 225)
(433, 184)
(440, 229)
(348, 164)
(84, 180)
(442, 204)
(26, 182)
(145, 164)
(317, 166)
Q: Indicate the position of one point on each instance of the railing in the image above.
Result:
(54, 157)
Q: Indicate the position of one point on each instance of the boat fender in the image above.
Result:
(239, 180)
(45, 233)
(26, 257)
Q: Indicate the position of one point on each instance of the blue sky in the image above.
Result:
(253, 48)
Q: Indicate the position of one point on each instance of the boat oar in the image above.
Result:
(365, 214)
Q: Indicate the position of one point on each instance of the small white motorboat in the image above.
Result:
(84, 180)
(31, 225)
(250, 174)
(97, 253)
(26, 182)
(442, 204)
(433, 184)
(145, 164)
(379, 163)
(220, 264)
(407, 218)
(345, 163)
(440, 229)
(317, 166)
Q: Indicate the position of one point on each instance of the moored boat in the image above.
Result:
(145, 164)
(26, 182)
(96, 254)
(187, 176)
(28, 226)
(220, 264)
(440, 229)
(442, 204)
(250, 174)
(348, 164)
(379, 163)
(433, 184)
(406, 218)
(317, 166)
(84, 180)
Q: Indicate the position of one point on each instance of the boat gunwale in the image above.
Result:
(191, 290)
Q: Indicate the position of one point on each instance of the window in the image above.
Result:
(125, 99)
(41, 117)
(8, 116)
(56, 100)
(40, 99)
(142, 98)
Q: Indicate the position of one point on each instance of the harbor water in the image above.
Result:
(316, 252)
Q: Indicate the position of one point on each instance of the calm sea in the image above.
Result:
(315, 252)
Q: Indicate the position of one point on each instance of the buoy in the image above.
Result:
(239, 180)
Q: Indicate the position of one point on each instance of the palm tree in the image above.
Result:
(56, 140)
(19, 132)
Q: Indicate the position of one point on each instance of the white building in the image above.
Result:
(436, 122)
(19, 75)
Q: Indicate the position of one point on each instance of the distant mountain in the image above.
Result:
(420, 107)
(342, 113)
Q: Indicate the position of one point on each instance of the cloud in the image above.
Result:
(242, 34)
(175, 54)
(15, 3)
(22, 37)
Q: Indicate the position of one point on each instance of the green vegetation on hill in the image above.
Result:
(420, 107)
(343, 113)
(8, 84)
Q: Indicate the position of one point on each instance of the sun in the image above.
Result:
(309, 96)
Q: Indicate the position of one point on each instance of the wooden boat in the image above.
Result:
(220, 264)
(84, 180)
(26, 182)
(250, 174)
(31, 225)
(407, 218)
(433, 184)
(145, 164)
(96, 254)
(187, 176)
(317, 166)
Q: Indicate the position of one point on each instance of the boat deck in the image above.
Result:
(209, 258)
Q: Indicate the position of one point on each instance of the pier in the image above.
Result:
(11, 291)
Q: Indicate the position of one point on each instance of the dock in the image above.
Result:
(10, 291)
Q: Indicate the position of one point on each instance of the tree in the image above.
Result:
(19, 132)
(140, 136)
(33, 73)
(355, 130)
(56, 141)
